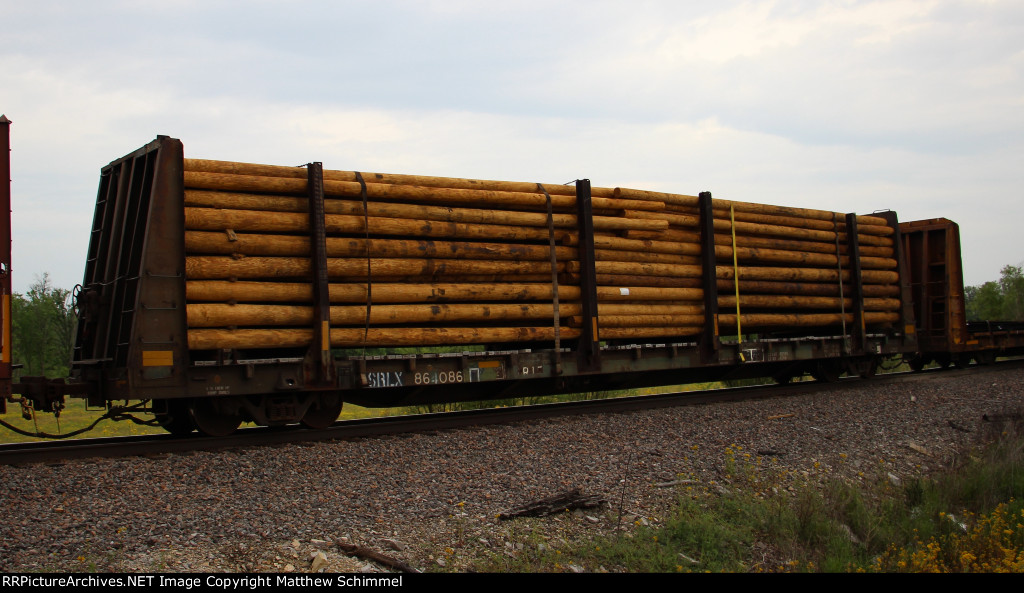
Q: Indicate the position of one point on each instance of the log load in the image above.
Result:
(423, 261)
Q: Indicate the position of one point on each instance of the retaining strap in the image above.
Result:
(554, 282)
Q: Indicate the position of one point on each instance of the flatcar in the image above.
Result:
(220, 292)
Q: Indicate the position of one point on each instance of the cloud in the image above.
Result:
(914, 106)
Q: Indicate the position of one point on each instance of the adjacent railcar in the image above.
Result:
(937, 292)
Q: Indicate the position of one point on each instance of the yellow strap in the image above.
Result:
(735, 274)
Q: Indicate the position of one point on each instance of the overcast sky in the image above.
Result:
(912, 106)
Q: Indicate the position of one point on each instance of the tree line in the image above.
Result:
(42, 330)
(1001, 299)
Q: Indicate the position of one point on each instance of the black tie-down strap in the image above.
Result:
(554, 282)
(369, 253)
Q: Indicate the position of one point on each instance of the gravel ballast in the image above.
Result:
(431, 500)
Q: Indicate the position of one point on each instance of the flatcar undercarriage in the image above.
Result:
(394, 380)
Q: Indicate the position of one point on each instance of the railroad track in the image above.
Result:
(164, 444)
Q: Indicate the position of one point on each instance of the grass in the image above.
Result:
(75, 416)
(760, 518)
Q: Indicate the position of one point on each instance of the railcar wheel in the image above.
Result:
(323, 412)
(827, 371)
(986, 357)
(784, 378)
(176, 420)
(867, 367)
(214, 418)
(918, 363)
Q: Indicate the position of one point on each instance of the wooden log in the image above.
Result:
(647, 281)
(787, 251)
(227, 167)
(725, 225)
(223, 315)
(223, 243)
(210, 219)
(257, 292)
(209, 339)
(781, 301)
(806, 274)
(227, 243)
(744, 220)
(746, 272)
(203, 198)
(672, 234)
(474, 197)
(642, 269)
(678, 220)
(880, 246)
(805, 288)
(644, 257)
(648, 246)
(260, 202)
(777, 301)
(629, 292)
(234, 168)
(668, 198)
(381, 191)
(801, 246)
(203, 267)
(872, 225)
(837, 225)
(641, 333)
(801, 258)
(761, 320)
(606, 309)
(768, 230)
(563, 279)
(691, 201)
(607, 321)
(881, 304)
(201, 315)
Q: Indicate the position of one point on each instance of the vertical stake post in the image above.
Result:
(856, 285)
(709, 341)
(5, 262)
(320, 350)
(589, 349)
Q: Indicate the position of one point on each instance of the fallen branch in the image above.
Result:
(554, 504)
(368, 554)
(956, 426)
(674, 483)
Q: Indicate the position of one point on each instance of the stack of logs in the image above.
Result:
(423, 261)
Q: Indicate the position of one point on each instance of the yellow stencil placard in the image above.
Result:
(157, 358)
